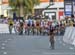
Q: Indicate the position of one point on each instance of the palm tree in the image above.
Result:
(23, 6)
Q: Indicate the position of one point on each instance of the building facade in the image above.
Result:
(4, 7)
(55, 11)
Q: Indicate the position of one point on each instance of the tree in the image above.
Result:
(23, 6)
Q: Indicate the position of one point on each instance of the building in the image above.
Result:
(4, 7)
(55, 11)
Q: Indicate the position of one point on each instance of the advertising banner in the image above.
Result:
(68, 9)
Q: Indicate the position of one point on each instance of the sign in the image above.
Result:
(68, 9)
(51, 15)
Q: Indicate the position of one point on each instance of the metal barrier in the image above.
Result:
(4, 28)
(69, 36)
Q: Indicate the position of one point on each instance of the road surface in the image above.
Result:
(33, 45)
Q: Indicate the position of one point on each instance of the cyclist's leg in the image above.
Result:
(52, 41)
(49, 40)
(33, 30)
(37, 30)
(16, 29)
(40, 30)
(21, 30)
(28, 30)
(10, 29)
(25, 30)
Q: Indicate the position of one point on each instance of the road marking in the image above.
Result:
(57, 53)
(71, 48)
(4, 53)
(3, 44)
(2, 47)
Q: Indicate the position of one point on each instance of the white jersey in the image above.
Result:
(45, 24)
(42, 23)
(17, 23)
(26, 21)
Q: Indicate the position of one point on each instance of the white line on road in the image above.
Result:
(57, 53)
(4, 53)
(71, 48)
(2, 47)
(3, 44)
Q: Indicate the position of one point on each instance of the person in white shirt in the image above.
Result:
(16, 26)
(26, 25)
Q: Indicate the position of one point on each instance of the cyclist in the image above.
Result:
(21, 27)
(10, 23)
(51, 35)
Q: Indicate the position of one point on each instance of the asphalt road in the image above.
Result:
(33, 45)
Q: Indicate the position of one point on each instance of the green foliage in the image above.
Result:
(27, 5)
